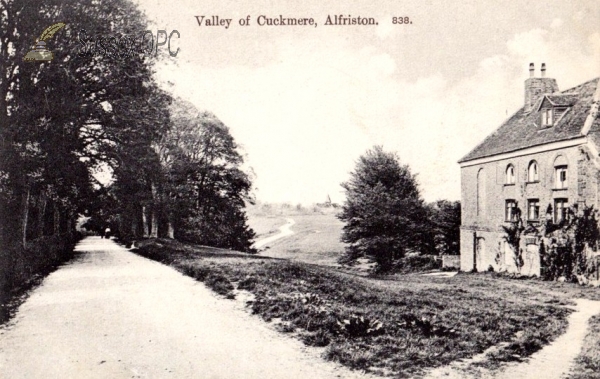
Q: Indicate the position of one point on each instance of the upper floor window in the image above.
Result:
(510, 174)
(547, 117)
(560, 173)
(510, 211)
(532, 172)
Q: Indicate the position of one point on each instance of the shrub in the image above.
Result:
(359, 326)
(21, 268)
(219, 283)
(418, 263)
(426, 326)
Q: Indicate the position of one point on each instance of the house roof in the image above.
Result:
(523, 129)
(563, 99)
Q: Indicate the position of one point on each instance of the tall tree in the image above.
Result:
(57, 119)
(206, 189)
(445, 221)
(384, 214)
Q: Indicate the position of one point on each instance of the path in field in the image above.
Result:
(113, 314)
(552, 362)
(284, 231)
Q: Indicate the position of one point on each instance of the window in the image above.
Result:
(533, 210)
(532, 172)
(547, 119)
(510, 174)
(510, 213)
(560, 210)
(560, 173)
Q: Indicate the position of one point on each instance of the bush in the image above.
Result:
(359, 326)
(219, 283)
(418, 263)
(21, 268)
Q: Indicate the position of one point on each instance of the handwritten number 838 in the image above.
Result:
(401, 20)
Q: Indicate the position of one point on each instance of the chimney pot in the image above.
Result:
(535, 88)
(531, 69)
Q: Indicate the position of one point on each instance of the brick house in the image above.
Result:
(542, 160)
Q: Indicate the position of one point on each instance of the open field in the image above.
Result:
(402, 325)
(265, 226)
(316, 239)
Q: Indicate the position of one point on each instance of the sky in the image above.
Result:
(304, 103)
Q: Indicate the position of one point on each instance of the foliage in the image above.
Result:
(569, 245)
(358, 326)
(384, 214)
(445, 217)
(428, 326)
(513, 238)
(22, 268)
(204, 189)
(418, 263)
(424, 324)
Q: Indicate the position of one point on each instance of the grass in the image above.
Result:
(316, 239)
(587, 364)
(400, 325)
(266, 226)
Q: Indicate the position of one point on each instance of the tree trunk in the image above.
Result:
(134, 222)
(41, 213)
(69, 223)
(145, 222)
(171, 229)
(56, 220)
(154, 226)
(25, 215)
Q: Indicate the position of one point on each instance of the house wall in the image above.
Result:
(582, 188)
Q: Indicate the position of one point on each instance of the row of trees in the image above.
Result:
(176, 171)
(193, 189)
(386, 216)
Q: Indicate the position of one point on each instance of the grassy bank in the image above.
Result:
(587, 364)
(400, 327)
(23, 268)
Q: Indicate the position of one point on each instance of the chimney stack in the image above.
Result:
(543, 70)
(536, 88)
(531, 69)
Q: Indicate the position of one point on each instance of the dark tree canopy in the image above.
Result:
(445, 223)
(62, 120)
(384, 214)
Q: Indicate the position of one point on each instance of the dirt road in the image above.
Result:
(113, 314)
(284, 231)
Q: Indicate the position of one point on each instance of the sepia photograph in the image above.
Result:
(279, 189)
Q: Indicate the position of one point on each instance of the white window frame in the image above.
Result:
(533, 172)
(533, 206)
(547, 117)
(561, 177)
(510, 212)
(509, 177)
(563, 209)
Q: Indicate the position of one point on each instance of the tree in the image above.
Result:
(56, 122)
(206, 189)
(445, 221)
(384, 213)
